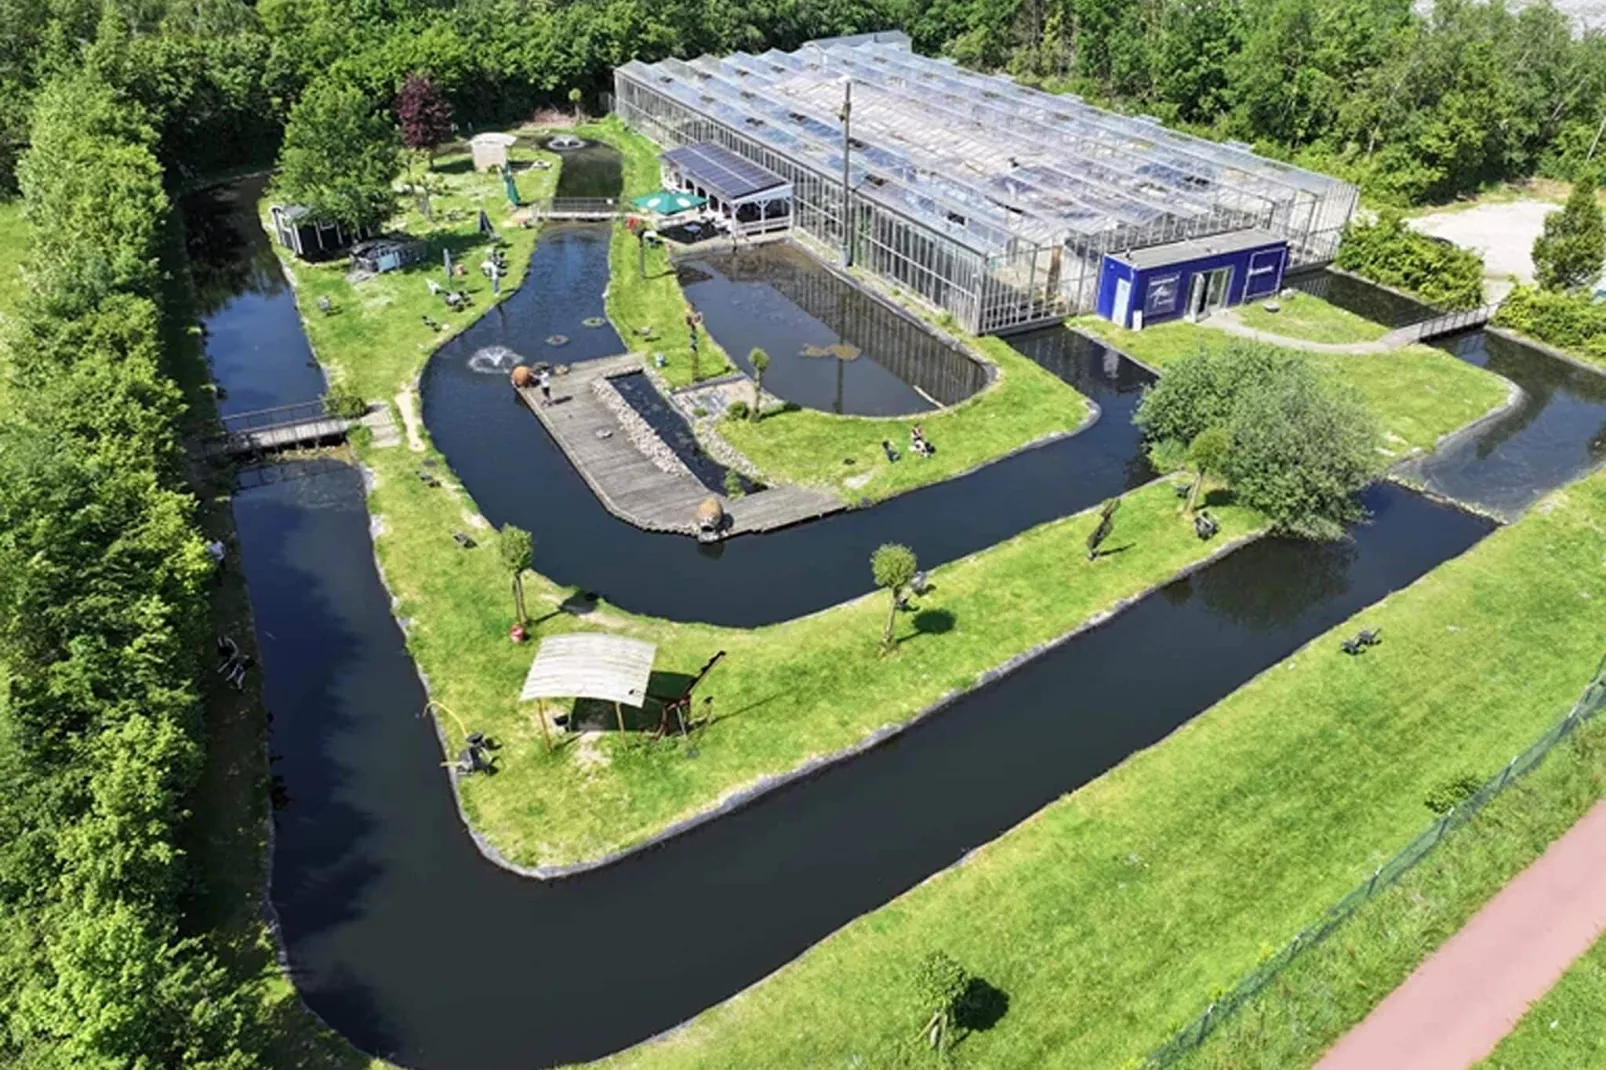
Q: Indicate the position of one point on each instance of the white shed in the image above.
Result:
(490, 150)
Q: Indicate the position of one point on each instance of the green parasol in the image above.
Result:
(668, 202)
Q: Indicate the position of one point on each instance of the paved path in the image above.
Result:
(1469, 994)
(1231, 324)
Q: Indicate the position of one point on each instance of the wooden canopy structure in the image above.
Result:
(612, 668)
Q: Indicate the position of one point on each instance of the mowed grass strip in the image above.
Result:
(1113, 916)
(784, 693)
(1566, 1030)
(1419, 393)
(654, 302)
(1303, 315)
(376, 341)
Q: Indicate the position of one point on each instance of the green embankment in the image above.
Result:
(1301, 315)
(1418, 392)
(1114, 915)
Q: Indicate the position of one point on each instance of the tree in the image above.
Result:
(517, 549)
(761, 363)
(1569, 253)
(893, 565)
(941, 985)
(1207, 453)
(575, 96)
(340, 157)
(424, 115)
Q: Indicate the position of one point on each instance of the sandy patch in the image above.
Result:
(409, 414)
(1503, 234)
(475, 520)
(587, 755)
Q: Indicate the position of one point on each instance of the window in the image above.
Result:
(1162, 296)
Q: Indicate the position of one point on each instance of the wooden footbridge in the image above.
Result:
(576, 208)
(286, 427)
(1441, 325)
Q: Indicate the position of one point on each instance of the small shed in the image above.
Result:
(490, 150)
(1190, 278)
(387, 254)
(309, 238)
(594, 665)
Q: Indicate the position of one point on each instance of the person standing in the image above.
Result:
(544, 381)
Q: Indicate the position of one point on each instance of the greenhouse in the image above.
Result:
(989, 199)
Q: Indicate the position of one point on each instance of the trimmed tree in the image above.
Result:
(761, 363)
(340, 157)
(575, 96)
(893, 565)
(1568, 255)
(940, 984)
(424, 115)
(1207, 453)
(517, 549)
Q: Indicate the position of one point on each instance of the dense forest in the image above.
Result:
(107, 106)
(1415, 107)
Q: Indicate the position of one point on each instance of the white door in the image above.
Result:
(1123, 301)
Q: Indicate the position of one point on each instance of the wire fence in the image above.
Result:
(1194, 1033)
(1446, 323)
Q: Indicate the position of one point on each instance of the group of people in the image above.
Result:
(918, 444)
(232, 663)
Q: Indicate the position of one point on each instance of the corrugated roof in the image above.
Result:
(1180, 252)
(591, 665)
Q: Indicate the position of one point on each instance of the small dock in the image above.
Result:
(630, 485)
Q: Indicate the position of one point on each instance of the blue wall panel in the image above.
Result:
(1161, 293)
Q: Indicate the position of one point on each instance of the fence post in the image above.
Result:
(1371, 885)
(1506, 775)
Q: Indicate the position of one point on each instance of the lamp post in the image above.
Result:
(847, 192)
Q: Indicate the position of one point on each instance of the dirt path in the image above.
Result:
(1457, 1006)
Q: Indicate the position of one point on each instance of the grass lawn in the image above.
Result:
(802, 688)
(654, 302)
(1301, 315)
(1112, 916)
(1566, 1030)
(804, 446)
(1332, 987)
(1419, 393)
(376, 341)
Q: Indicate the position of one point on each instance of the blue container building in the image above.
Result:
(1190, 278)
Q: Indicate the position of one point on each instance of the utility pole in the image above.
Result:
(847, 191)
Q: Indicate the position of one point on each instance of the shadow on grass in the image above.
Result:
(930, 622)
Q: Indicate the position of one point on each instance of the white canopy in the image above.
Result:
(591, 665)
(492, 137)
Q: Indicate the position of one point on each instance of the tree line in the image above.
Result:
(103, 614)
(1414, 106)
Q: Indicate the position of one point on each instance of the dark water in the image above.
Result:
(255, 344)
(517, 475)
(594, 170)
(1555, 433)
(1362, 298)
(406, 940)
(776, 298)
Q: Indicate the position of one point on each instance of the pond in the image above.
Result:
(405, 939)
(832, 346)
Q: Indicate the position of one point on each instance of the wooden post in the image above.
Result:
(540, 715)
(620, 715)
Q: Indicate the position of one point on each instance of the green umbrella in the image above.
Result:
(667, 202)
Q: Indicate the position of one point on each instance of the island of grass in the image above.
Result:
(1117, 914)
(1023, 406)
(1305, 316)
(1419, 392)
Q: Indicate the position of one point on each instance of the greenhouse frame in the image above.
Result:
(989, 199)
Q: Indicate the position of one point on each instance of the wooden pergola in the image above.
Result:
(593, 665)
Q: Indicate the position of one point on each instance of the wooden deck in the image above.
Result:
(632, 487)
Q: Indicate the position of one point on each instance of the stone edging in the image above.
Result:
(636, 428)
(1544, 347)
(739, 798)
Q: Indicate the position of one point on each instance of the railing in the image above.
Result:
(1194, 1033)
(1447, 323)
(576, 207)
(280, 416)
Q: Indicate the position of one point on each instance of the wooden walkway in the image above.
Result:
(294, 427)
(631, 486)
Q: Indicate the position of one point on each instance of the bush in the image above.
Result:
(344, 402)
(940, 985)
(1446, 796)
(1393, 254)
(1571, 321)
(734, 487)
(1297, 450)
(737, 410)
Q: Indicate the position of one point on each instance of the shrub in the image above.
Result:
(1391, 253)
(344, 402)
(734, 487)
(1568, 255)
(1571, 321)
(737, 410)
(940, 985)
(1446, 796)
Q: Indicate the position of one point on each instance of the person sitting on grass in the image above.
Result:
(918, 442)
(887, 448)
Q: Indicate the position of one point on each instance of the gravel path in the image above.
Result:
(1469, 994)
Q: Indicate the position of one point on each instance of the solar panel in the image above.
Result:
(722, 171)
